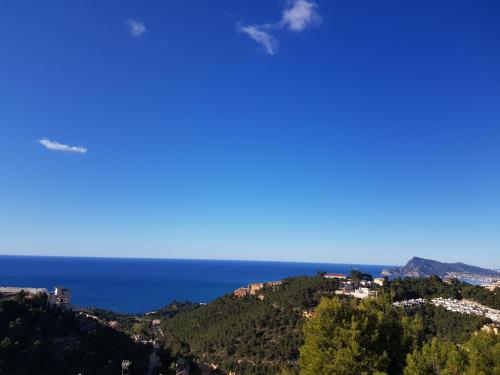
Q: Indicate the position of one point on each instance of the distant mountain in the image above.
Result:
(420, 267)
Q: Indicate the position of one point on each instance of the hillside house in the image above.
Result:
(61, 296)
(335, 276)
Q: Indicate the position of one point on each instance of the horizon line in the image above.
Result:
(196, 259)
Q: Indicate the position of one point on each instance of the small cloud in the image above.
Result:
(300, 14)
(56, 146)
(136, 28)
(262, 35)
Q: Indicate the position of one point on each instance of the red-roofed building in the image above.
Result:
(335, 276)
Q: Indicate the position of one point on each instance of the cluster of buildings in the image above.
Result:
(378, 280)
(488, 281)
(354, 288)
(467, 307)
(349, 289)
(60, 296)
(460, 306)
(362, 288)
(335, 276)
(410, 303)
(493, 285)
(254, 289)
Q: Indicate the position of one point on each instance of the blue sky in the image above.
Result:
(339, 131)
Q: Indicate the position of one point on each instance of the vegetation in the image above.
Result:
(374, 337)
(298, 326)
(451, 326)
(249, 335)
(125, 321)
(174, 308)
(355, 338)
(262, 334)
(407, 288)
(435, 357)
(357, 275)
(482, 295)
(410, 288)
(478, 355)
(37, 338)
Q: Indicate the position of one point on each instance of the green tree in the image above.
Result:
(483, 353)
(357, 275)
(351, 337)
(436, 357)
(38, 338)
(479, 355)
(142, 328)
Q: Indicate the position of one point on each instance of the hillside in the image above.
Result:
(263, 333)
(420, 267)
(249, 335)
(38, 338)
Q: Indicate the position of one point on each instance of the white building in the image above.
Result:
(61, 296)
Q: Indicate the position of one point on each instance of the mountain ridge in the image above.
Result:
(422, 267)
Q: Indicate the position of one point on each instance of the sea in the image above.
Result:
(131, 285)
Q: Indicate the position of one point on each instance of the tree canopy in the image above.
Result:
(38, 338)
(354, 338)
(480, 354)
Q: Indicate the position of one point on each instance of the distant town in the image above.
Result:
(364, 286)
(420, 267)
(452, 304)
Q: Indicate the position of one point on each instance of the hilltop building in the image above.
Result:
(335, 276)
(349, 290)
(254, 288)
(61, 296)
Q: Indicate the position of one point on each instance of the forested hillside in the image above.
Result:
(249, 335)
(263, 335)
(298, 326)
(375, 337)
(433, 286)
(37, 338)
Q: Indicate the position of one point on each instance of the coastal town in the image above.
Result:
(488, 281)
(455, 305)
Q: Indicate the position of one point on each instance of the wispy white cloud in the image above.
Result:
(300, 14)
(262, 35)
(137, 28)
(297, 16)
(56, 146)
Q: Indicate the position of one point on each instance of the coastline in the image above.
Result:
(133, 285)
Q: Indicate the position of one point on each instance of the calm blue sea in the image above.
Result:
(140, 285)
